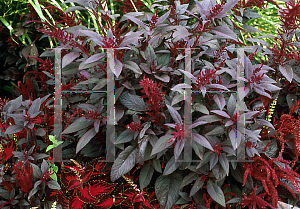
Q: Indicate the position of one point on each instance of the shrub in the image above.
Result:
(154, 128)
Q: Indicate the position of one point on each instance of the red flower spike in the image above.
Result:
(207, 76)
(134, 126)
(217, 149)
(6, 152)
(155, 99)
(24, 175)
(253, 200)
(179, 133)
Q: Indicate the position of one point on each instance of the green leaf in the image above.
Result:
(52, 138)
(124, 163)
(161, 144)
(132, 102)
(49, 147)
(146, 175)
(167, 190)
(54, 176)
(216, 193)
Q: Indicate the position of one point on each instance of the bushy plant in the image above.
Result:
(153, 129)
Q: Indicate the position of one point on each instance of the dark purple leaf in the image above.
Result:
(96, 37)
(96, 125)
(180, 86)
(287, 72)
(220, 101)
(118, 68)
(217, 86)
(44, 166)
(74, 8)
(132, 102)
(146, 175)
(171, 166)
(196, 187)
(124, 163)
(79, 124)
(178, 148)
(132, 66)
(86, 138)
(142, 149)
(226, 8)
(177, 98)
(95, 58)
(161, 144)
(189, 179)
(53, 184)
(225, 32)
(209, 119)
(164, 78)
(213, 160)
(14, 129)
(264, 123)
(162, 18)
(201, 140)
(35, 106)
(221, 113)
(262, 92)
(216, 192)
(231, 105)
(68, 58)
(167, 189)
(224, 162)
(10, 74)
(175, 115)
(137, 21)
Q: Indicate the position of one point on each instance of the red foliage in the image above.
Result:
(217, 149)
(270, 174)
(84, 185)
(6, 152)
(290, 15)
(134, 126)
(255, 201)
(155, 99)
(127, 5)
(26, 89)
(207, 76)
(179, 133)
(24, 175)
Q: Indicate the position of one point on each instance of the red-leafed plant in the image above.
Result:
(194, 117)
